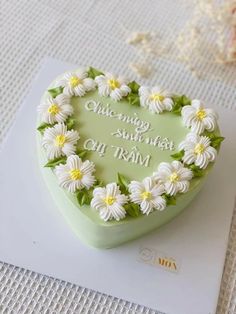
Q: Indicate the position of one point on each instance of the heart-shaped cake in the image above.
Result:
(122, 159)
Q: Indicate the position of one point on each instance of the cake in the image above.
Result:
(121, 159)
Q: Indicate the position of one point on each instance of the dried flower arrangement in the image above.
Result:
(209, 36)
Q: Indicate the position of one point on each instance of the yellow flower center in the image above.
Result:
(60, 140)
(74, 81)
(113, 84)
(146, 195)
(53, 109)
(109, 200)
(199, 149)
(201, 114)
(173, 178)
(157, 97)
(76, 174)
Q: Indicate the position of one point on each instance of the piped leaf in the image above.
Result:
(179, 102)
(54, 162)
(92, 73)
(133, 99)
(179, 155)
(79, 196)
(54, 92)
(98, 183)
(81, 153)
(170, 200)
(197, 171)
(132, 209)
(83, 197)
(44, 126)
(70, 123)
(177, 109)
(134, 86)
(123, 182)
(216, 141)
(186, 101)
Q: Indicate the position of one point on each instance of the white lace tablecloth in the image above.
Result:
(85, 32)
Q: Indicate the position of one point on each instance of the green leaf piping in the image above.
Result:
(170, 200)
(132, 209)
(70, 123)
(43, 126)
(179, 102)
(81, 153)
(84, 197)
(133, 99)
(134, 86)
(92, 73)
(54, 92)
(178, 156)
(54, 162)
(215, 139)
(123, 182)
(197, 171)
(216, 142)
(98, 183)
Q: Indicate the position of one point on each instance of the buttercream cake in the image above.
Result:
(121, 159)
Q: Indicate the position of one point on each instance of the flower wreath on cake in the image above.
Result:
(116, 200)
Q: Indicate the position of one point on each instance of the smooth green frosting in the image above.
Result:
(99, 127)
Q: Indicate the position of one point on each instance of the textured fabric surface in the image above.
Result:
(82, 32)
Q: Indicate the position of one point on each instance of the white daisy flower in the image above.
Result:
(57, 141)
(197, 150)
(54, 110)
(109, 202)
(75, 174)
(174, 176)
(199, 118)
(147, 194)
(76, 83)
(110, 85)
(155, 99)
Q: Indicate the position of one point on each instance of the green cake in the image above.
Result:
(121, 159)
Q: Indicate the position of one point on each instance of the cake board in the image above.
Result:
(35, 236)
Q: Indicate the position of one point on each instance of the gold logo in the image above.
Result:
(168, 263)
(157, 258)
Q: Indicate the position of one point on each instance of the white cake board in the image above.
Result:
(35, 236)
